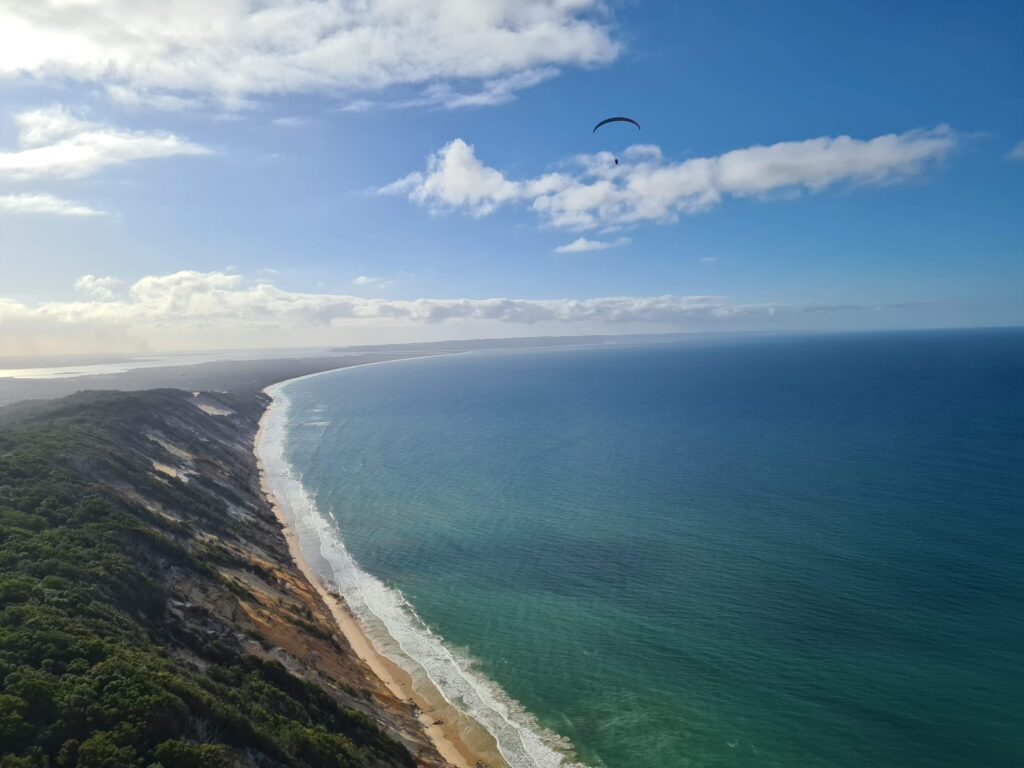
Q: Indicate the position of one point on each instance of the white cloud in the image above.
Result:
(231, 51)
(1017, 153)
(55, 142)
(708, 259)
(583, 245)
(199, 310)
(359, 105)
(490, 92)
(456, 179)
(376, 282)
(599, 193)
(41, 202)
(102, 288)
(167, 102)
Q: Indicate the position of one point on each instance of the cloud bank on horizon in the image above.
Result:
(597, 193)
(218, 310)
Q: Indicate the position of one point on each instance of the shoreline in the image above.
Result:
(468, 746)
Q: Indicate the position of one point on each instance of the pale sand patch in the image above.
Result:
(207, 408)
(171, 448)
(165, 469)
(434, 712)
(213, 410)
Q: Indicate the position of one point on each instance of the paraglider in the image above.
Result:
(616, 120)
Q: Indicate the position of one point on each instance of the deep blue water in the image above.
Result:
(781, 551)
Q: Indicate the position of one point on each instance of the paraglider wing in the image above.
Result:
(616, 120)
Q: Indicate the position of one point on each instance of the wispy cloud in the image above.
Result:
(159, 54)
(182, 308)
(1017, 153)
(367, 281)
(359, 105)
(583, 245)
(292, 121)
(647, 188)
(42, 202)
(447, 95)
(145, 99)
(55, 142)
(490, 92)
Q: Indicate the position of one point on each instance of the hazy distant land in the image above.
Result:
(252, 375)
(238, 376)
(256, 372)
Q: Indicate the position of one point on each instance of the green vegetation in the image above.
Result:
(95, 670)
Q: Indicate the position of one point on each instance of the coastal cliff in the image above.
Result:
(150, 612)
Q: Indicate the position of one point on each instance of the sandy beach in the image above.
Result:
(459, 739)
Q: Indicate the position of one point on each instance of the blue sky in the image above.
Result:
(245, 196)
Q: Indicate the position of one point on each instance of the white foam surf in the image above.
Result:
(389, 621)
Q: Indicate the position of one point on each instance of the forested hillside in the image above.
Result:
(149, 613)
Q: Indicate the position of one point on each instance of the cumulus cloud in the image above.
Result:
(150, 50)
(211, 309)
(102, 288)
(582, 245)
(456, 179)
(42, 202)
(55, 142)
(1017, 153)
(647, 188)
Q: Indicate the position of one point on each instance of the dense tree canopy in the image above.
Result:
(94, 670)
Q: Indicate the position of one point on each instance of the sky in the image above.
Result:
(184, 175)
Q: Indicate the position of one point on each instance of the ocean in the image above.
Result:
(730, 551)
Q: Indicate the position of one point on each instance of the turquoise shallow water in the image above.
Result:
(731, 552)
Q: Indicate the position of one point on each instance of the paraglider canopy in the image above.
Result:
(616, 120)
